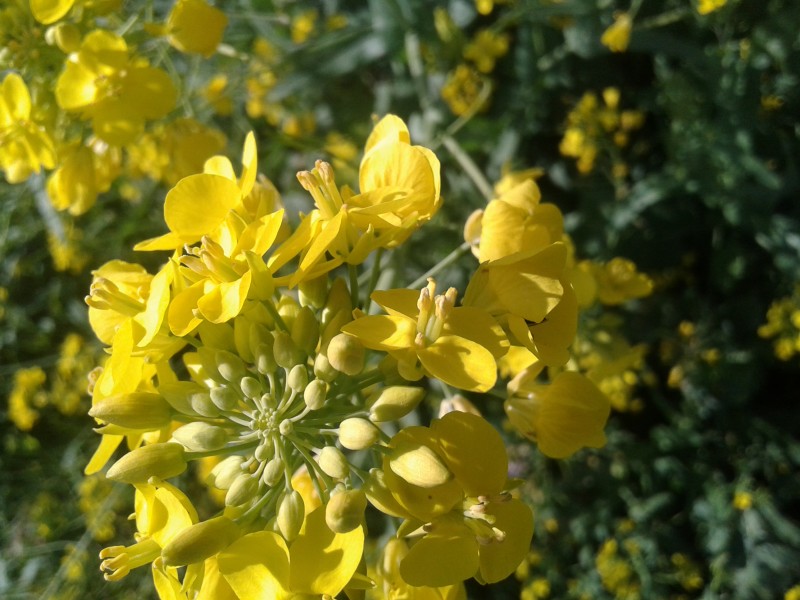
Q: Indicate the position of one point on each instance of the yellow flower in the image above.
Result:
(303, 25)
(618, 281)
(561, 417)
(742, 501)
(473, 528)
(25, 147)
(391, 585)
(83, 173)
(117, 92)
(429, 334)
(195, 27)
(618, 34)
(485, 49)
(50, 11)
(705, 7)
(27, 383)
(261, 564)
(461, 91)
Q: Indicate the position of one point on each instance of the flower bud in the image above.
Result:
(264, 451)
(200, 541)
(395, 402)
(288, 309)
(64, 35)
(346, 354)
(258, 335)
(202, 404)
(305, 330)
(225, 472)
(315, 393)
(286, 353)
(312, 292)
(291, 514)
(251, 387)
(273, 472)
(345, 510)
(357, 434)
(200, 437)
(333, 463)
(243, 488)
(265, 359)
(154, 460)
(138, 410)
(323, 368)
(457, 403)
(418, 465)
(224, 398)
(297, 380)
(230, 366)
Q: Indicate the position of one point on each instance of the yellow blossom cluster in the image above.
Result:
(594, 128)
(616, 571)
(783, 326)
(255, 352)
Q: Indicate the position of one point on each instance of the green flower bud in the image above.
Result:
(207, 357)
(178, 395)
(243, 488)
(154, 460)
(395, 402)
(200, 541)
(418, 465)
(291, 513)
(297, 380)
(251, 387)
(225, 472)
(224, 398)
(312, 292)
(200, 437)
(273, 472)
(288, 308)
(345, 510)
(305, 330)
(286, 353)
(203, 405)
(315, 393)
(138, 410)
(230, 366)
(264, 451)
(357, 434)
(265, 359)
(323, 368)
(333, 463)
(346, 354)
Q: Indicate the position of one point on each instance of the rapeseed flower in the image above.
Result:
(195, 27)
(617, 36)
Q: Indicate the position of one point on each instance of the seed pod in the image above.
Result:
(357, 434)
(154, 460)
(199, 541)
(345, 510)
(138, 410)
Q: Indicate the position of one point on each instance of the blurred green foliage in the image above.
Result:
(697, 494)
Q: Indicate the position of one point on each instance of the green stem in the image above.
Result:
(441, 265)
(273, 312)
(353, 271)
(469, 166)
(373, 278)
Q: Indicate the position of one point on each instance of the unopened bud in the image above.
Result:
(357, 434)
(457, 403)
(200, 541)
(288, 309)
(273, 472)
(66, 36)
(297, 380)
(346, 354)
(291, 514)
(345, 510)
(265, 359)
(286, 353)
(224, 398)
(323, 368)
(418, 465)
(154, 460)
(333, 463)
(230, 366)
(395, 402)
(138, 410)
(243, 488)
(225, 472)
(315, 394)
(203, 405)
(251, 387)
(200, 437)
(312, 292)
(305, 330)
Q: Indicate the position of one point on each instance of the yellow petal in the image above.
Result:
(15, 99)
(389, 128)
(198, 204)
(196, 27)
(225, 300)
(156, 307)
(76, 87)
(398, 302)
(50, 11)
(479, 326)
(446, 556)
(473, 451)
(108, 444)
(256, 566)
(460, 362)
(322, 562)
(180, 314)
(499, 559)
(383, 332)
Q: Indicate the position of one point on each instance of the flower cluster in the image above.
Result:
(783, 326)
(249, 350)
